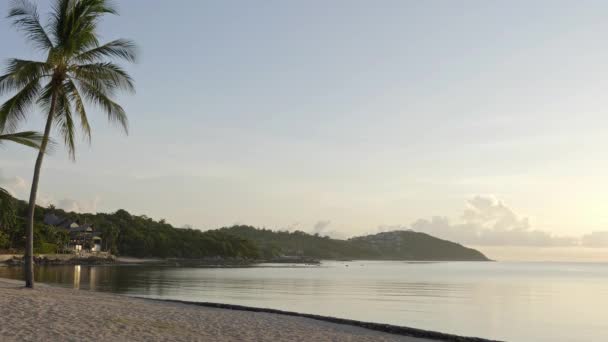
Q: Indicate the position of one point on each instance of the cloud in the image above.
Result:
(595, 239)
(44, 200)
(86, 206)
(487, 222)
(19, 188)
(320, 227)
(489, 213)
(14, 185)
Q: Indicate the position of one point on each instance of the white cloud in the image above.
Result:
(321, 227)
(595, 239)
(489, 213)
(293, 227)
(14, 185)
(20, 188)
(44, 200)
(487, 222)
(82, 206)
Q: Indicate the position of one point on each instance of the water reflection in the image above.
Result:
(77, 277)
(481, 299)
(92, 278)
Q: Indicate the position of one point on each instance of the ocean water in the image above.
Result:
(498, 300)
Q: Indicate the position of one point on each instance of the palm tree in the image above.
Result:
(75, 70)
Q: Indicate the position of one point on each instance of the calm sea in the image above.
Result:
(499, 300)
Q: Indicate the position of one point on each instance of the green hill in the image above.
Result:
(131, 235)
(396, 245)
(411, 245)
(140, 236)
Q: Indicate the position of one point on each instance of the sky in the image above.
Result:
(479, 121)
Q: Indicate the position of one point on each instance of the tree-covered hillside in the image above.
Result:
(397, 245)
(131, 235)
(411, 245)
(276, 243)
(140, 236)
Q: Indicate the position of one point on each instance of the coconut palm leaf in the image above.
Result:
(28, 138)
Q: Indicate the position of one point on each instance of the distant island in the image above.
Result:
(124, 234)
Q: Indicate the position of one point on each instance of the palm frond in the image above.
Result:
(25, 17)
(74, 24)
(20, 72)
(110, 76)
(14, 109)
(120, 48)
(45, 97)
(113, 110)
(74, 96)
(27, 138)
(64, 121)
(58, 20)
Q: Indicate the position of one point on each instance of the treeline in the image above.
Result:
(397, 245)
(129, 235)
(12, 230)
(140, 236)
(298, 243)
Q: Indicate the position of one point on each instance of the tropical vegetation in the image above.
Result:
(77, 70)
(126, 234)
(8, 215)
(395, 245)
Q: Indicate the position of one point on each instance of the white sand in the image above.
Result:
(56, 314)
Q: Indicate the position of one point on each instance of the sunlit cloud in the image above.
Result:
(321, 227)
(595, 239)
(19, 188)
(14, 185)
(487, 221)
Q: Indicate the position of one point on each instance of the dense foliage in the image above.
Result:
(138, 236)
(12, 231)
(398, 245)
(298, 243)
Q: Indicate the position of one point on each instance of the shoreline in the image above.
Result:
(182, 315)
(382, 327)
(112, 260)
(104, 259)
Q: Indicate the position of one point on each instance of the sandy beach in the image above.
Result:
(57, 314)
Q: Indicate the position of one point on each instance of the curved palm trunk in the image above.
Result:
(29, 241)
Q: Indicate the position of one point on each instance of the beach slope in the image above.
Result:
(57, 314)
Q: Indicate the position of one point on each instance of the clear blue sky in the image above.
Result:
(358, 113)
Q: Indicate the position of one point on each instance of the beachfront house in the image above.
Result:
(82, 237)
